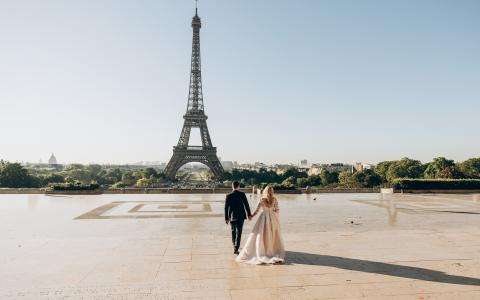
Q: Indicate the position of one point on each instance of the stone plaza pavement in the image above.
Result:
(339, 246)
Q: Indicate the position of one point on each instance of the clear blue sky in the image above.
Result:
(106, 81)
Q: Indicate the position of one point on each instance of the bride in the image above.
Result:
(264, 244)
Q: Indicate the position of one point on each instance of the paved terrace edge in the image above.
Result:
(28, 191)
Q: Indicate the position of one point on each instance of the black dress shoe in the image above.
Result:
(236, 252)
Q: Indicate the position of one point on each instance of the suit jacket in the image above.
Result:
(236, 204)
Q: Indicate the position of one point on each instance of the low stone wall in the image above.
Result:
(186, 191)
(84, 192)
(341, 190)
(133, 191)
(157, 191)
(22, 191)
(225, 191)
(437, 191)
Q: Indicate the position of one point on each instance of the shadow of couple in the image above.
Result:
(367, 266)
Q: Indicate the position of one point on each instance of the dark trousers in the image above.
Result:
(237, 227)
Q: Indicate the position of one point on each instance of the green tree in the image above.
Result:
(441, 167)
(69, 179)
(137, 174)
(77, 172)
(144, 182)
(314, 180)
(128, 179)
(254, 177)
(290, 181)
(149, 173)
(119, 185)
(52, 178)
(302, 182)
(14, 175)
(366, 178)
(470, 168)
(96, 173)
(382, 169)
(94, 169)
(328, 178)
(113, 175)
(405, 168)
(345, 179)
(293, 172)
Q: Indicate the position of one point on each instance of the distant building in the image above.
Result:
(303, 169)
(338, 167)
(316, 169)
(227, 165)
(52, 160)
(259, 165)
(280, 169)
(304, 163)
(358, 166)
(361, 166)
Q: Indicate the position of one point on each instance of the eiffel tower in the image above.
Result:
(195, 118)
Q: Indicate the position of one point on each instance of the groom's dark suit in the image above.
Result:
(236, 211)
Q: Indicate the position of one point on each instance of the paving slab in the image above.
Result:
(146, 246)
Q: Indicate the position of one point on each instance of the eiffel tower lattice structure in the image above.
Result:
(195, 118)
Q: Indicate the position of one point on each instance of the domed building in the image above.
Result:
(52, 160)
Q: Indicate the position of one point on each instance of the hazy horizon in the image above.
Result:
(326, 81)
(149, 163)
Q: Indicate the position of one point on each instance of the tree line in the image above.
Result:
(383, 174)
(14, 175)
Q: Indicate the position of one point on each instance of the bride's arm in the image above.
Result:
(258, 208)
(275, 206)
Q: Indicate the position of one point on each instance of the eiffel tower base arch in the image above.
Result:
(182, 156)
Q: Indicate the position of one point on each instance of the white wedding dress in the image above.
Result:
(264, 244)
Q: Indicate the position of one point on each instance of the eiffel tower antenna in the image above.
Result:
(195, 117)
(196, 7)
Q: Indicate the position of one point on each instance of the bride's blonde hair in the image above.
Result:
(268, 195)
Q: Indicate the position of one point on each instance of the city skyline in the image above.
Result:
(301, 163)
(316, 80)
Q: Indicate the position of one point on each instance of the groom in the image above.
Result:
(236, 204)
